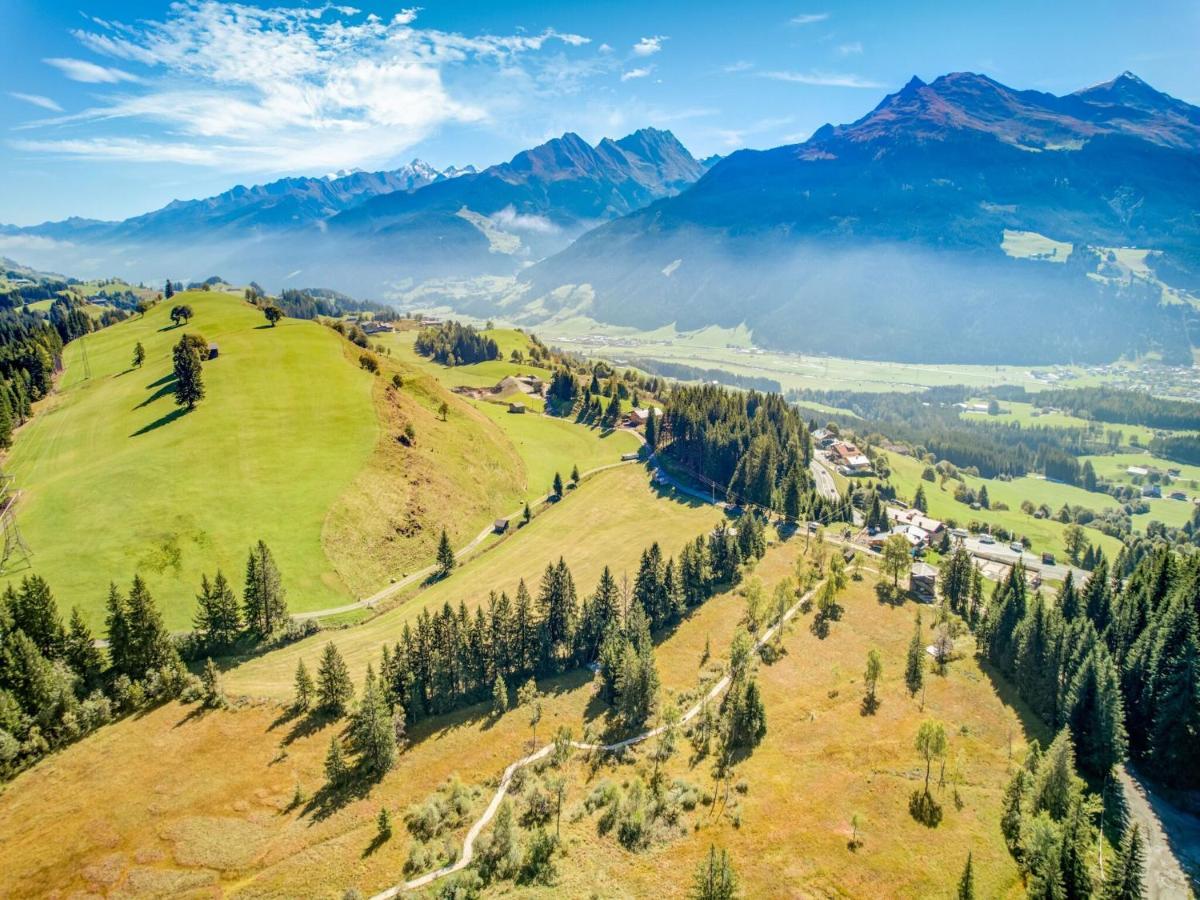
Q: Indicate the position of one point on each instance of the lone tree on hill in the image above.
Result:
(189, 381)
(273, 314)
(169, 290)
(139, 355)
(183, 311)
(445, 556)
(557, 487)
(914, 667)
(896, 557)
(443, 410)
(871, 678)
(931, 744)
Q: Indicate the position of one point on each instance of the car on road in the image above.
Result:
(1048, 559)
(986, 538)
(1016, 547)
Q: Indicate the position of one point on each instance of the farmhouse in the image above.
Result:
(639, 416)
(377, 327)
(213, 351)
(849, 458)
(1137, 470)
(516, 407)
(500, 526)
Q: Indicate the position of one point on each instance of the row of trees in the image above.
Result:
(452, 658)
(57, 685)
(30, 348)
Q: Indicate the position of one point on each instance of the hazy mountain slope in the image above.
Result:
(883, 237)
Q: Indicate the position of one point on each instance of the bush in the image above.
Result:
(369, 362)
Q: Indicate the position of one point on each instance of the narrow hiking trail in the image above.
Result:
(468, 849)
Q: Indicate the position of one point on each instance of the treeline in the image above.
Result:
(930, 421)
(1117, 662)
(455, 344)
(755, 445)
(1109, 404)
(1184, 448)
(452, 658)
(56, 685)
(684, 372)
(30, 350)
(309, 303)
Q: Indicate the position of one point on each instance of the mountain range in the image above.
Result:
(363, 229)
(914, 233)
(958, 221)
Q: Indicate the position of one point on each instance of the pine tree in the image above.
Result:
(210, 678)
(652, 431)
(149, 644)
(218, 619)
(35, 612)
(116, 622)
(1125, 878)
(81, 652)
(574, 474)
(1095, 712)
(714, 878)
(304, 687)
(335, 763)
(189, 381)
(445, 556)
(334, 689)
(526, 513)
(914, 667)
(383, 824)
(264, 600)
(499, 696)
(966, 884)
(556, 489)
(373, 731)
(6, 417)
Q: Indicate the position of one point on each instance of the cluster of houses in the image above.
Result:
(845, 456)
(1154, 489)
(914, 526)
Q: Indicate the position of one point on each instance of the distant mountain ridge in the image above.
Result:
(883, 238)
(360, 230)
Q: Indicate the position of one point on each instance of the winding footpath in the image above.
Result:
(468, 849)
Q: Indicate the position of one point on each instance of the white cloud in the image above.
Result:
(37, 100)
(824, 79)
(853, 48)
(809, 18)
(512, 220)
(88, 72)
(280, 88)
(636, 73)
(740, 66)
(15, 243)
(648, 46)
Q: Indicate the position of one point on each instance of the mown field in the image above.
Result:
(117, 479)
(179, 801)
(609, 520)
(1045, 534)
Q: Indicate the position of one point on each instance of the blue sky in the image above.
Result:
(115, 107)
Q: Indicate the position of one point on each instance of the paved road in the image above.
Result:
(826, 486)
(468, 850)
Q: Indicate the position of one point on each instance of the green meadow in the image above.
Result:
(117, 480)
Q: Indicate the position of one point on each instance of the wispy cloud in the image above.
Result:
(37, 100)
(852, 48)
(824, 79)
(636, 73)
(648, 46)
(809, 18)
(89, 72)
(223, 83)
(740, 66)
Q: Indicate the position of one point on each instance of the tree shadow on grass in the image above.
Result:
(306, 726)
(172, 327)
(164, 388)
(170, 376)
(924, 809)
(376, 842)
(162, 420)
(197, 712)
(889, 594)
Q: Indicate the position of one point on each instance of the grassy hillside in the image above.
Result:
(609, 520)
(180, 799)
(118, 480)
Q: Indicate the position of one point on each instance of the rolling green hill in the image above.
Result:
(116, 480)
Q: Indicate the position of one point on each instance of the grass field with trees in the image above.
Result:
(117, 479)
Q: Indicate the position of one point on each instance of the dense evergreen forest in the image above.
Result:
(1117, 662)
(309, 303)
(754, 445)
(1184, 448)
(1107, 404)
(454, 344)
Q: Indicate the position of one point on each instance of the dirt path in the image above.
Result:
(1172, 837)
(468, 850)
